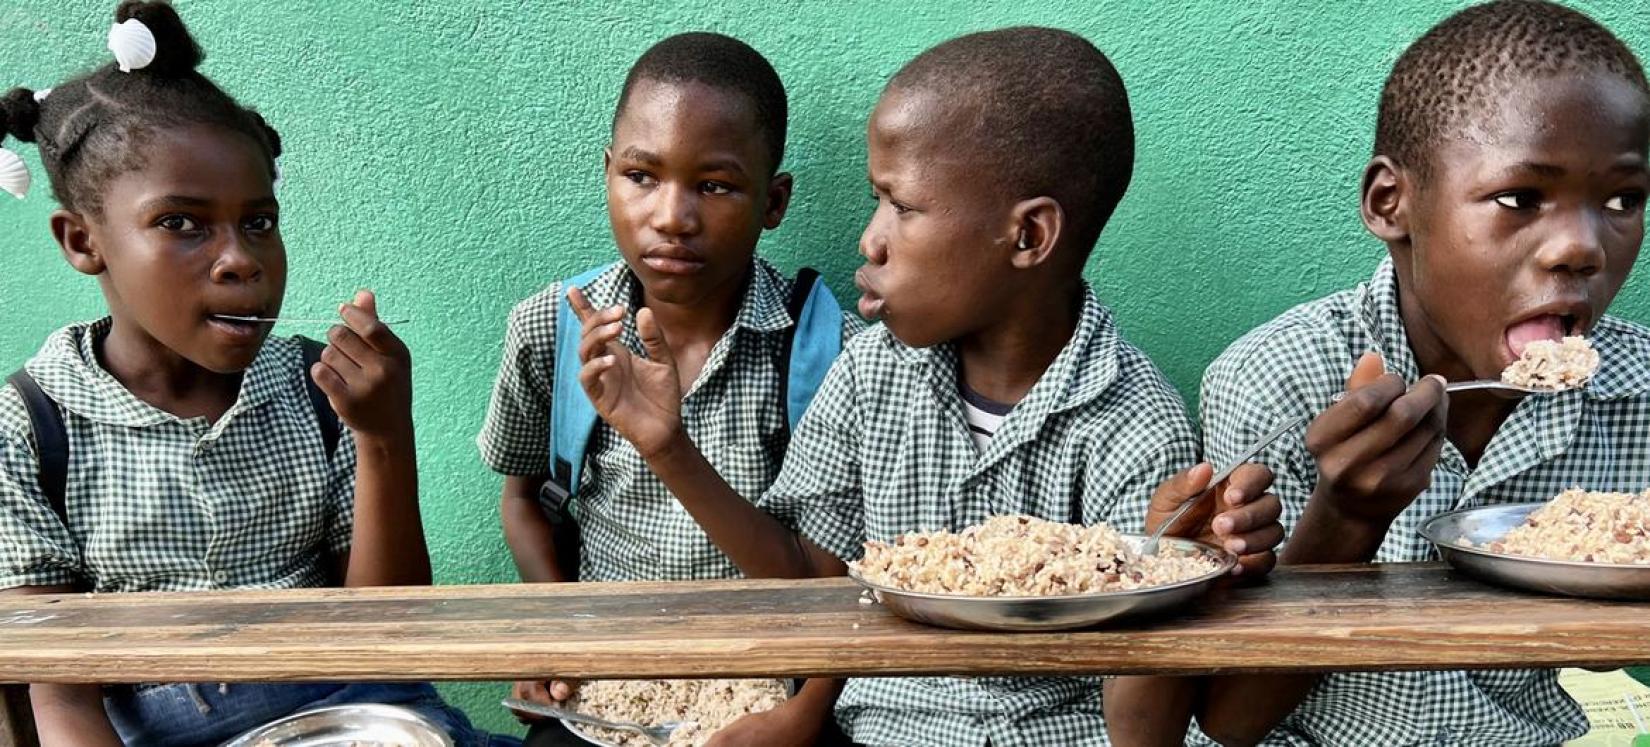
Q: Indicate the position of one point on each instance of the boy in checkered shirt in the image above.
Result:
(997, 383)
(1508, 185)
(693, 181)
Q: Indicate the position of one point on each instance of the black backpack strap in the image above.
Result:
(331, 428)
(801, 288)
(51, 441)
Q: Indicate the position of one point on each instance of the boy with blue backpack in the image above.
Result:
(693, 180)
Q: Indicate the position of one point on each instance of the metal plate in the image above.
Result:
(1065, 612)
(366, 724)
(1566, 577)
(578, 729)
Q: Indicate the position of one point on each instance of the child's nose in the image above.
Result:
(236, 263)
(676, 211)
(872, 245)
(1576, 246)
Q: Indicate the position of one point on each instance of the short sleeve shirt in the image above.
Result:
(1595, 438)
(631, 526)
(161, 503)
(885, 449)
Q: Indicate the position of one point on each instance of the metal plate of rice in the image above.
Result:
(1452, 532)
(366, 725)
(728, 701)
(1057, 612)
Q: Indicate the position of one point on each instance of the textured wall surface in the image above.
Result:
(449, 155)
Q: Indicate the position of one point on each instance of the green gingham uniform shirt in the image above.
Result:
(162, 503)
(632, 527)
(884, 450)
(1596, 438)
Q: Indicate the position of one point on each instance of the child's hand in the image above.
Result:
(789, 723)
(366, 372)
(1241, 516)
(1377, 447)
(553, 692)
(640, 397)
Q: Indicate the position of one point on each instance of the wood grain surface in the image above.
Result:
(1325, 618)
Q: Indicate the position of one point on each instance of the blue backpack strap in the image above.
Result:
(51, 441)
(572, 416)
(815, 341)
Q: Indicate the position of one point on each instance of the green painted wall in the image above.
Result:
(449, 155)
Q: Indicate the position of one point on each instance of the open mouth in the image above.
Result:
(1553, 327)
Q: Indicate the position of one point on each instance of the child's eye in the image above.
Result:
(1625, 203)
(178, 223)
(1520, 200)
(261, 224)
(898, 208)
(639, 177)
(715, 188)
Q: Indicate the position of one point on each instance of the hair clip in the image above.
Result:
(14, 174)
(133, 44)
(40, 95)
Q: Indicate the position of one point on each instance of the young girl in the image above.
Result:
(170, 447)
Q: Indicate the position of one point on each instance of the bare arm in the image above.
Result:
(530, 534)
(366, 373)
(755, 541)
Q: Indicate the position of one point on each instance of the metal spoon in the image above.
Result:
(659, 735)
(1484, 384)
(1149, 547)
(287, 320)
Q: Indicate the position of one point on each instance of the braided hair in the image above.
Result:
(91, 128)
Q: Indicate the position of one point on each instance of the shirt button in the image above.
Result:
(220, 577)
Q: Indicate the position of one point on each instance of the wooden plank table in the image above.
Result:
(1326, 618)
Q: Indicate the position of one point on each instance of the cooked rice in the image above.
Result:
(1023, 556)
(1584, 526)
(709, 704)
(1545, 364)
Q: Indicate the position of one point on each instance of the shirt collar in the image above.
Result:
(1084, 368)
(761, 309)
(68, 371)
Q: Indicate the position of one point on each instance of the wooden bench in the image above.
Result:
(1309, 619)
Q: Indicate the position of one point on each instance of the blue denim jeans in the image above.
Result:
(208, 714)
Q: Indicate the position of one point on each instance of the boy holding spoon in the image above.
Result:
(1508, 184)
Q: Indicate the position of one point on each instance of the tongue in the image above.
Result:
(1547, 327)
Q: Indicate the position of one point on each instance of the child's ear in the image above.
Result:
(779, 199)
(1387, 190)
(74, 239)
(1037, 226)
(607, 159)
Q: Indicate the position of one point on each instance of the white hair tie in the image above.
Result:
(14, 174)
(40, 95)
(133, 44)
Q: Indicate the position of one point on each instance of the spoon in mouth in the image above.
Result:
(289, 320)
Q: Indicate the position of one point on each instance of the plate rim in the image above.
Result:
(1226, 558)
(1429, 531)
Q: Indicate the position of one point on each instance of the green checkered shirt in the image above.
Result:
(884, 449)
(632, 527)
(161, 503)
(1596, 438)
